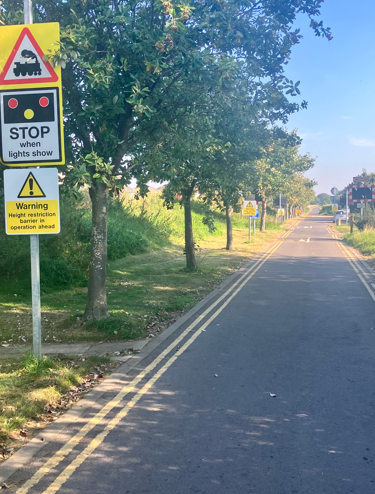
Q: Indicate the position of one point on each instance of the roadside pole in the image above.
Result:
(34, 248)
(254, 227)
(249, 229)
(280, 208)
(347, 205)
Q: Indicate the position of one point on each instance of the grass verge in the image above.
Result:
(34, 393)
(364, 241)
(146, 293)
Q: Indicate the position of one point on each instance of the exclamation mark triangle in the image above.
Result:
(31, 188)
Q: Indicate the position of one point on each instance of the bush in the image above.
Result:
(326, 209)
(368, 219)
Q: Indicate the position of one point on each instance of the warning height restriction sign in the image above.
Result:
(30, 96)
(31, 197)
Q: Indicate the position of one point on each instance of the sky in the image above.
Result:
(338, 81)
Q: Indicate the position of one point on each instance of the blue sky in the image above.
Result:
(338, 81)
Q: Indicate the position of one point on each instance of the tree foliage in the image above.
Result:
(130, 67)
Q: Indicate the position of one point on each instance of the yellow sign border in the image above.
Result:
(47, 35)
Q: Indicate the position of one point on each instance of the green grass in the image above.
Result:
(342, 228)
(363, 241)
(28, 387)
(143, 290)
(134, 227)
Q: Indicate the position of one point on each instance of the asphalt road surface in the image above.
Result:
(269, 391)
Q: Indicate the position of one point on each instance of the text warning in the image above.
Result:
(30, 126)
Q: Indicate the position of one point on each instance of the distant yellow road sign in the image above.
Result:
(30, 96)
(298, 211)
(281, 212)
(249, 211)
(31, 201)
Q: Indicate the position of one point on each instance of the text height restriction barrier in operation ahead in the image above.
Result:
(30, 96)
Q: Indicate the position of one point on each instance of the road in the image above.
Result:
(200, 415)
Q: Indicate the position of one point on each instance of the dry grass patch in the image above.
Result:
(33, 393)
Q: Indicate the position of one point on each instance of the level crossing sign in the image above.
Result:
(31, 197)
(30, 96)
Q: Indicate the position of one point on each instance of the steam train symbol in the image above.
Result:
(30, 67)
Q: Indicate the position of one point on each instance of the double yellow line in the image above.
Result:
(361, 273)
(288, 232)
(332, 232)
(54, 461)
(358, 269)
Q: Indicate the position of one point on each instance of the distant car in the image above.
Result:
(340, 214)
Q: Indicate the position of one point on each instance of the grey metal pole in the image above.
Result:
(35, 295)
(34, 247)
(249, 229)
(254, 227)
(347, 206)
(27, 11)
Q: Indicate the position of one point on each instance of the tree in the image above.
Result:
(124, 60)
(300, 191)
(322, 199)
(278, 169)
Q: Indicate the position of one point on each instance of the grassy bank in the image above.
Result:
(145, 293)
(363, 241)
(134, 227)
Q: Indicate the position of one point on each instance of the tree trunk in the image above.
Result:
(191, 263)
(229, 210)
(96, 307)
(263, 217)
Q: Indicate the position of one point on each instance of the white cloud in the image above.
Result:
(346, 118)
(362, 143)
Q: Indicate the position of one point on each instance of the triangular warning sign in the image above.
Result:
(25, 64)
(31, 188)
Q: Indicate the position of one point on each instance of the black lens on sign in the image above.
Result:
(361, 193)
(27, 108)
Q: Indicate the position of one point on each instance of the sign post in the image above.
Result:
(251, 211)
(31, 135)
(347, 206)
(34, 250)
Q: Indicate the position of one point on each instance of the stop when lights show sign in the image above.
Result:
(30, 96)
